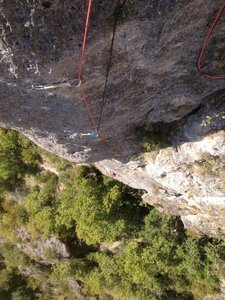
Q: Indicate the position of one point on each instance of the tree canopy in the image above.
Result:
(119, 247)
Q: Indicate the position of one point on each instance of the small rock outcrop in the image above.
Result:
(49, 251)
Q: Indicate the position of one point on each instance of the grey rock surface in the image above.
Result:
(49, 251)
(153, 70)
(186, 178)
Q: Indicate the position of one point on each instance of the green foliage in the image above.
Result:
(13, 285)
(39, 205)
(153, 139)
(62, 270)
(209, 120)
(20, 295)
(13, 215)
(13, 257)
(5, 279)
(11, 164)
(51, 254)
(42, 195)
(59, 163)
(16, 159)
(162, 264)
(43, 221)
(210, 164)
(199, 263)
(29, 153)
(100, 208)
(155, 258)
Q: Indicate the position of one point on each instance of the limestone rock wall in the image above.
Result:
(153, 70)
(186, 178)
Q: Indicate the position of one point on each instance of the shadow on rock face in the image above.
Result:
(208, 118)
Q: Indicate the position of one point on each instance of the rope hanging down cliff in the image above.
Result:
(205, 42)
(94, 132)
(115, 23)
(90, 115)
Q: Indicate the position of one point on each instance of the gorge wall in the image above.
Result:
(153, 77)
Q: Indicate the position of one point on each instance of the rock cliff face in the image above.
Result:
(153, 76)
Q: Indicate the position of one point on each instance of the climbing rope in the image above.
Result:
(118, 7)
(94, 132)
(90, 115)
(82, 93)
(205, 43)
(84, 40)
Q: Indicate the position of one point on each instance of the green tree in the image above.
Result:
(17, 157)
(42, 222)
(163, 263)
(11, 165)
(41, 195)
(101, 209)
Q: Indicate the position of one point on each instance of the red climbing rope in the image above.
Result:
(114, 147)
(205, 42)
(84, 40)
(90, 115)
(91, 118)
